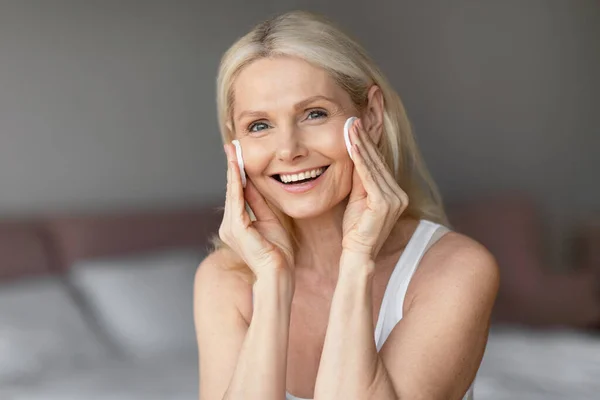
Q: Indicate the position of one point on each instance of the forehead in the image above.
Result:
(280, 82)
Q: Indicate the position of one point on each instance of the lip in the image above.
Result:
(300, 187)
(300, 171)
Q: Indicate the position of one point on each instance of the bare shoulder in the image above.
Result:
(218, 285)
(436, 350)
(458, 268)
(219, 299)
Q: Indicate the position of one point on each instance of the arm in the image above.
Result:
(237, 360)
(434, 351)
(240, 359)
(349, 363)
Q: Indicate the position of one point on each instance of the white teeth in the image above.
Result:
(286, 178)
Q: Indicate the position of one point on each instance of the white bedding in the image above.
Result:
(143, 303)
(530, 365)
(518, 364)
(158, 378)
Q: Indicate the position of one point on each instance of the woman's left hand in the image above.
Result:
(376, 201)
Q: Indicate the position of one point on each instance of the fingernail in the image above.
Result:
(358, 126)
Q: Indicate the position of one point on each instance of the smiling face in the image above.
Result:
(289, 118)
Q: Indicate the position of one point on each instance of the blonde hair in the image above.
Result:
(320, 42)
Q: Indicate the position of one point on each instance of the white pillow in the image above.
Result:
(41, 329)
(143, 302)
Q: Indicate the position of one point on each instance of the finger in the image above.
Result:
(228, 187)
(235, 190)
(391, 187)
(369, 172)
(224, 229)
(399, 198)
(358, 189)
(257, 203)
(373, 156)
(366, 175)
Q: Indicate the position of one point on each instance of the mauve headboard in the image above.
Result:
(47, 244)
(78, 237)
(52, 243)
(25, 250)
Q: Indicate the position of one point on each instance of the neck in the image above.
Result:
(320, 242)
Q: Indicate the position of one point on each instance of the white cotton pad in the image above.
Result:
(240, 160)
(347, 125)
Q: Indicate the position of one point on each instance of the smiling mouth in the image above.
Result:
(303, 177)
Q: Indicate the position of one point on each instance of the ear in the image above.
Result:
(373, 114)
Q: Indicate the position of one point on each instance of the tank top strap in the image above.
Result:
(426, 234)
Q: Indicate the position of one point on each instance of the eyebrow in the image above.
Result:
(297, 106)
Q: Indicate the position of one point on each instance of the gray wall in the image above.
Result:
(107, 104)
(503, 95)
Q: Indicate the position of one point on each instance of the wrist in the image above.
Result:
(356, 263)
(278, 281)
(355, 277)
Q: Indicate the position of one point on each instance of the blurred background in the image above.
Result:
(111, 165)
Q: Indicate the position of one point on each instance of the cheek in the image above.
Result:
(256, 157)
(330, 142)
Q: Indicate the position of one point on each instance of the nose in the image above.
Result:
(289, 145)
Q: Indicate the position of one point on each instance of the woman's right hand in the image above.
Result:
(264, 244)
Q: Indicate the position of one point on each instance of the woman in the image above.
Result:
(288, 304)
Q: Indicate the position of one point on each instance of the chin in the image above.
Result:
(304, 210)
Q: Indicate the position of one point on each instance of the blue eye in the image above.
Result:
(251, 127)
(260, 126)
(317, 114)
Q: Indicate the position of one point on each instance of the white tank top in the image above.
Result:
(426, 234)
